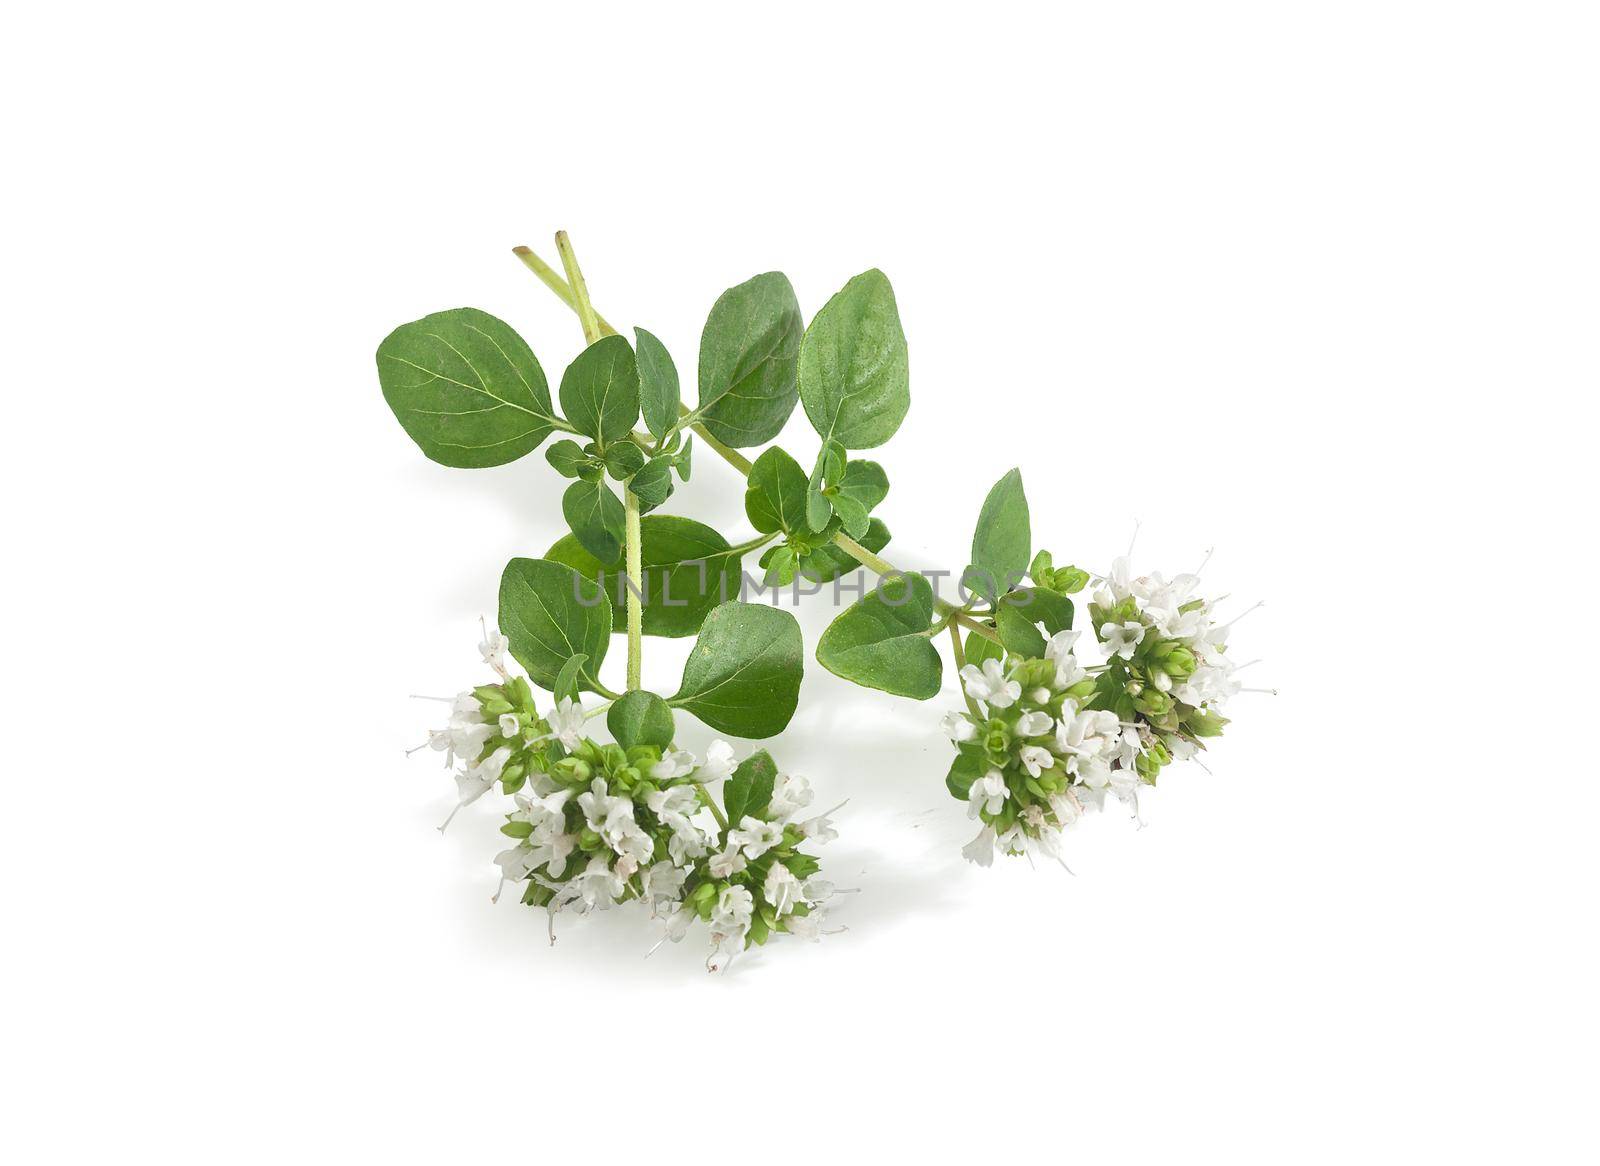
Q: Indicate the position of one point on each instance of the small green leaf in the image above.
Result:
(600, 390)
(567, 457)
(981, 648)
(852, 515)
(881, 641)
(969, 765)
(682, 461)
(658, 384)
(652, 485)
(827, 563)
(749, 356)
(866, 483)
(853, 368)
(830, 468)
(776, 496)
(743, 676)
(623, 460)
(748, 789)
(566, 684)
(551, 613)
(688, 570)
(640, 718)
(466, 388)
(1017, 632)
(1002, 540)
(595, 515)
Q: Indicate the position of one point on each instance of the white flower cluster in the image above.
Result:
(597, 824)
(1046, 739)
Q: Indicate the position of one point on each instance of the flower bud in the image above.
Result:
(1204, 724)
(589, 841)
(572, 771)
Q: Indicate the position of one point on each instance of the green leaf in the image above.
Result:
(853, 372)
(776, 496)
(881, 641)
(830, 468)
(640, 718)
(672, 551)
(682, 460)
(1017, 632)
(551, 613)
(466, 388)
(623, 460)
(969, 765)
(595, 515)
(652, 485)
(827, 563)
(1020, 614)
(980, 648)
(566, 684)
(600, 390)
(748, 789)
(865, 483)
(1002, 540)
(567, 458)
(743, 676)
(658, 384)
(749, 355)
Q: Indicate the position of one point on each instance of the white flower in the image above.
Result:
(1128, 746)
(1121, 639)
(816, 890)
(598, 886)
(1059, 652)
(678, 801)
(958, 727)
(688, 841)
(731, 916)
(472, 784)
(673, 765)
(678, 924)
(808, 926)
(466, 734)
(755, 837)
(726, 863)
(989, 684)
(493, 650)
(1066, 808)
(718, 764)
(988, 794)
(509, 725)
(1035, 758)
(781, 889)
(792, 793)
(981, 849)
(566, 722)
(517, 863)
(597, 804)
(663, 882)
(1034, 724)
(820, 829)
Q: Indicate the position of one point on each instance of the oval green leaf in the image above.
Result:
(658, 384)
(551, 613)
(466, 388)
(854, 378)
(743, 676)
(881, 641)
(640, 718)
(749, 358)
(596, 517)
(776, 496)
(600, 390)
(1002, 541)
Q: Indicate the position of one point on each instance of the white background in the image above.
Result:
(1311, 283)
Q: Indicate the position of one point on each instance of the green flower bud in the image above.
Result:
(537, 895)
(613, 758)
(997, 739)
(589, 841)
(1082, 690)
(572, 771)
(626, 778)
(1034, 674)
(519, 694)
(1204, 724)
(1153, 703)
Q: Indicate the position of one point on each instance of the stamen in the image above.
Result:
(1268, 691)
(450, 819)
(1209, 552)
(1131, 541)
(1241, 615)
(446, 699)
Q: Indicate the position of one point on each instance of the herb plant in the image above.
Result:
(1044, 735)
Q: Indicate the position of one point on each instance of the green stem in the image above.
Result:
(732, 456)
(961, 662)
(633, 582)
(709, 803)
